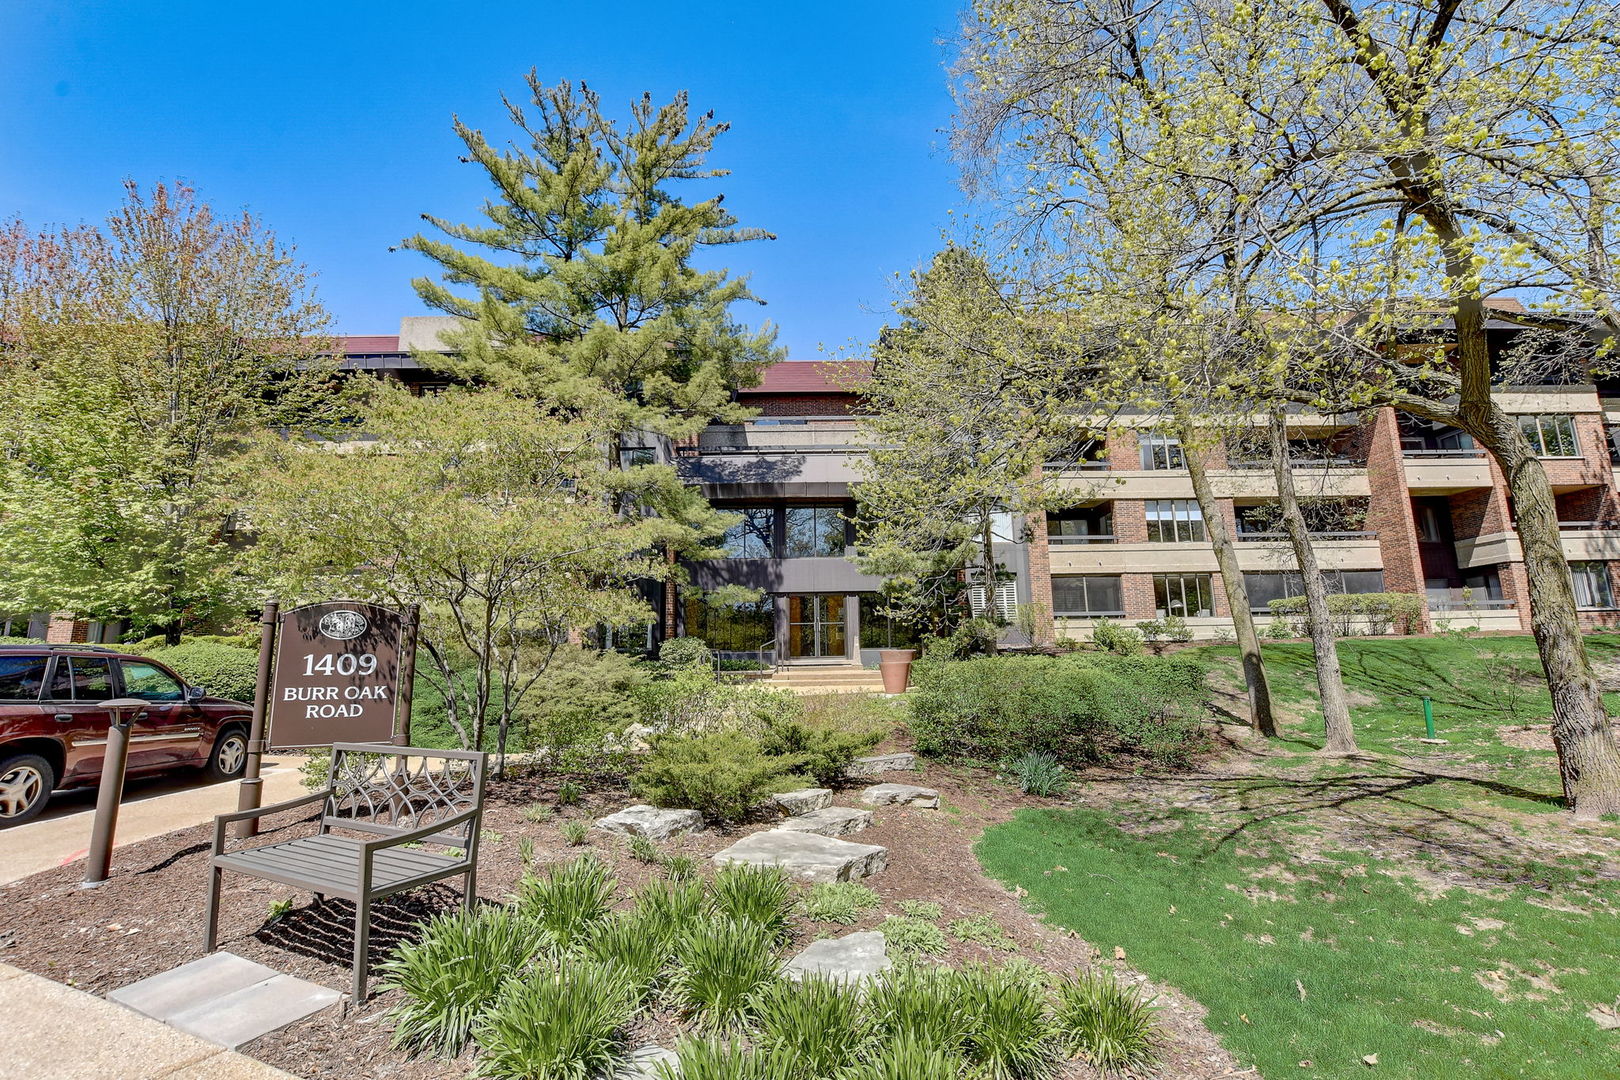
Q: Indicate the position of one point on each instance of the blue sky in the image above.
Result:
(331, 120)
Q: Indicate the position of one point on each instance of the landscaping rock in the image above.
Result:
(653, 822)
(833, 821)
(881, 763)
(807, 856)
(642, 1063)
(803, 802)
(900, 795)
(851, 959)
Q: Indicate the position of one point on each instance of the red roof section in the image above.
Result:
(357, 344)
(811, 377)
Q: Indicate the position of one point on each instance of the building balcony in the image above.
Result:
(1314, 479)
(1582, 541)
(817, 437)
(1446, 472)
(1358, 551)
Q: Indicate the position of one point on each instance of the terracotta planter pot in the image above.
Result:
(896, 674)
(892, 656)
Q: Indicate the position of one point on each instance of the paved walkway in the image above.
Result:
(64, 838)
(58, 1032)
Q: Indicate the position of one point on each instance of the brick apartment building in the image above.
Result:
(1409, 507)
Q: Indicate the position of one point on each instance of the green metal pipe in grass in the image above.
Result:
(1428, 716)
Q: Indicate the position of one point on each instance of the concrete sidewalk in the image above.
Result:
(56, 841)
(57, 1032)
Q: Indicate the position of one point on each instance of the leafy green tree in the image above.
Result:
(138, 362)
(584, 293)
(476, 505)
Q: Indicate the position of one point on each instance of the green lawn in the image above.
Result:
(1416, 903)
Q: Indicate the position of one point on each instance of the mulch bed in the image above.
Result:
(148, 918)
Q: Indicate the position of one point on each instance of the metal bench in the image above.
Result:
(430, 800)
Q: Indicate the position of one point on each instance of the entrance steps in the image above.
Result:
(830, 679)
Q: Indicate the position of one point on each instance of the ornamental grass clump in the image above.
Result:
(716, 1059)
(562, 1020)
(818, 1024)
(1110, 1026)
(762, 895)
(907, 1059)
(1038, 774)
(919, 1005)
(840, 902)
(670, 906)
(567, 900)
(639, 945)
(1009, 1034)
(721, 967)
(910, 939)
(452, 973)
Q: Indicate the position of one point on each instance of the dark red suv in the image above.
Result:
(53, 730)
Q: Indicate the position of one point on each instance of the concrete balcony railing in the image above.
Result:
(1441, 472)
(1358, 553)
(814, 438)
(1315, 479)
(1582, 541)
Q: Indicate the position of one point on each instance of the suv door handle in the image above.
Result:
(65, 717)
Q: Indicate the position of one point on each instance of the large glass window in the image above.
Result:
(814, 531)
(879, 631)
(1265, 586)
(1592, 589)
(751, 537)
(1551, 435)
(1081, 525)
(1160, 451)
(1187, 595)
(1172, 521)
(22, 677)
(150, 683)
(1086, 594)
(746, 627)
(82, 678)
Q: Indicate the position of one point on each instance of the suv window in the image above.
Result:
(21, 677)
(82, 678)
(150, 683)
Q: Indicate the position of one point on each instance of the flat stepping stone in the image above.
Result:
(878, 764)
(900, 795)
(642, 1063)
(803, 802)
(833, 821)
(807, 856)
(225, 999)
(653, 822)
(851, 959)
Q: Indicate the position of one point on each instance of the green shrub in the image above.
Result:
(818, 1024)
(982, 930)
(451, 974)
(974, 637)
(563, 1019)
(577, 712)
(1110, 1026)
(685, 652)
(569, 793)
(693, 700)
(1359, 613)
(910, 939)
(761, 895)
(921, 909)
(223, 670)
(315, 769)
(825, 753)
(1280, 629)
(14, 639)
(908, 1059)
(715, 1059)
(722, 774)
(567, 900)
(840, 902)
(1109, 636)
(1009, 1035)
(722, 966)
(638, 943)
(1038, 774)
(669, 906)
(1076, 708)
(918, 1005)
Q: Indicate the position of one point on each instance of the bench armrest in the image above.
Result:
(371, 847)
(222, 820)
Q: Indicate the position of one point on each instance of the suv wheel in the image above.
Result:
(229, 756)
(26, 781)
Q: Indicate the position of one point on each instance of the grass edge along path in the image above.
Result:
(1308, 967)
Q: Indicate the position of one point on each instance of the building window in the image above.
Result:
(631, 457)
(1267, 585)
(1550, 435)
(1174, 521)
(1006, 601)
(1086, 594)
(1081, 525)
(1187, 595)
(1160, 451)
(880, 631)
(814, 531)
(746, 627)
(751, 537)
(1592, 588)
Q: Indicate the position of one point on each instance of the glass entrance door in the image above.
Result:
(816, 626)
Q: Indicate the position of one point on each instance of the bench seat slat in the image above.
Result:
(325, 867)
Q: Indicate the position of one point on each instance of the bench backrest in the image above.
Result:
(384, 789)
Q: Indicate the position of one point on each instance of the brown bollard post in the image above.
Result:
(111, 793)
(249, 795)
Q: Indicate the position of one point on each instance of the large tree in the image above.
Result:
(583, 290)
(1370, 171)
(138, 361)
(476, 505)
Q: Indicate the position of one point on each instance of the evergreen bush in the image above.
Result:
(722, 774)
(226, 671)
(1109, 636)
(685, 652)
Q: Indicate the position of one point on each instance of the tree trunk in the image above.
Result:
(1237, 595)
(1588, 760)
(1341, 736)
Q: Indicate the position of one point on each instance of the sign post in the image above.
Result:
(250, 792)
